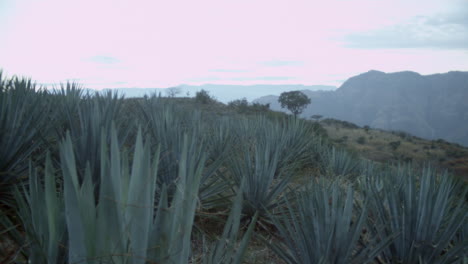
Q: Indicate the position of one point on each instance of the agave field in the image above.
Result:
(97, 178)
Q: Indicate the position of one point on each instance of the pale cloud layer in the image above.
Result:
(442, 31)
(160, 43)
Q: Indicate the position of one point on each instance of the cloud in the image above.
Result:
(203, 79)
(261, 78)
(104, 59)
(265, 78)
(448, 31)
(281, 63)
(229, 70)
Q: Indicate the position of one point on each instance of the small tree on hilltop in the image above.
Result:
(295, 101)
(173, 91)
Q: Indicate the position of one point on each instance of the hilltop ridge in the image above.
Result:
(428, 106)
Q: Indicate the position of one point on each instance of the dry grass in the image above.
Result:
(385, 146)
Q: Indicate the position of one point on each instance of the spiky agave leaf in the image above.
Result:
(294, 139)
(338, 162)
(23, 116)
(41, 212)
(77, 246)
(140, 201)
(168, 124)
(425, 209)
(225, 249)
(124, 226)
(324, 227)
(264, 182)
(215, 185)
(86, 117)
(66, 100)
(171, 229)
(107, 229)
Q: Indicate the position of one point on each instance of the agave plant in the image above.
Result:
(271, 153)
(124, 227)
(42, 215)
(338, 162)
(462, 237)
(220, 141)
(86, 117)
(23, 116)
(67, 99)
(226, 249)
(293, 139)
(121, 224)
(299, 140)
(325, 226)
(425, 209)
(167, 127)
(167, 124)
(264, 184)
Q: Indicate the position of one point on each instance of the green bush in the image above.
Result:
(361, 140)
(243, 106)
(394, 145)
(203, 97)
(239, 103)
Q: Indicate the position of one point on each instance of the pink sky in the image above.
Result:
(111, 43)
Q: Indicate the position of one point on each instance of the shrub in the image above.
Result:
(344, 124)
(242, 106)
(394, 145)
(361, 140)
(258, 107)
(203, 97)
(455, 153)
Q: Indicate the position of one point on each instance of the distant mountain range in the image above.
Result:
(226, 93)
(431, 106)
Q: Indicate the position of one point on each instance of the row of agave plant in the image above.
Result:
(96, 178)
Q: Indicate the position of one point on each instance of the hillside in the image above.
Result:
(101, 178)
(393, 147)
(226, 93)
(431, 106)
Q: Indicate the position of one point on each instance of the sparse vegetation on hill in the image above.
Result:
(396, 146)
(427, 106)
(91, 178)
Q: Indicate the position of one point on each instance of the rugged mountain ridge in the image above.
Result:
(431, 106)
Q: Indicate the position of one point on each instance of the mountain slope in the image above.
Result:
(432, 106)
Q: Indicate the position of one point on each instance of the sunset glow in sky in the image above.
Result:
(161, 43)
